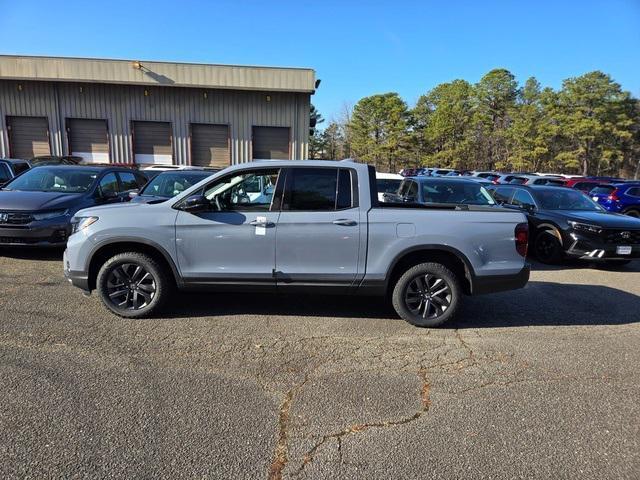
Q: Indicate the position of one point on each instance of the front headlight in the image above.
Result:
(80, 223)
(49, 215)
(585, 227)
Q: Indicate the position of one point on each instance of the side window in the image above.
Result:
(311, 189)
(634, 192)
(108, 184)
(345, 194)
(5, 174)
(18, 168)
(522, 199)
(243, 191)
(502, 195)
(128, 181)
(412, 192)
(402, 191)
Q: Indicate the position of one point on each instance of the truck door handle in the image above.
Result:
(257, 223)
(345, 222)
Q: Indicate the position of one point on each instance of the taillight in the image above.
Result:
(614, 196)
(522, 238)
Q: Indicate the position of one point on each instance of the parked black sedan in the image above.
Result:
(37, 206)
(564, 222)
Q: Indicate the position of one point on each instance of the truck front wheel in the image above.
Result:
(133, 285)
(427, 295)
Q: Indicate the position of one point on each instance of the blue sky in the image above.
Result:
(357, 48)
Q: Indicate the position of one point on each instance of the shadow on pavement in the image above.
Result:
(539, 304)
(549, 303)
(32, 253)
(572, 264)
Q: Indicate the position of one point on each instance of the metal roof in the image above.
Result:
(141, 72)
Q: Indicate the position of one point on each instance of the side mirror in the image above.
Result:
(529, 208)
(195, 204)
(133, 193)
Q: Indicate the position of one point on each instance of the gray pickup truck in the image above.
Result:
(291, 226)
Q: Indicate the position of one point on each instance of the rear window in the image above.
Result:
(388, 185)
(602, 190)
(456, 192)
(5, 174)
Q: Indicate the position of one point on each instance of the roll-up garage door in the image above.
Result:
(88, 139)
(270, 142)
(28, 137)
(210, 145)
(152, 142)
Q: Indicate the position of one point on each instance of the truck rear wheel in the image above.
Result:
(133, 285)
(427, 295)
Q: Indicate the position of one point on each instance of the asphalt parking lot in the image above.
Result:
(538, 383)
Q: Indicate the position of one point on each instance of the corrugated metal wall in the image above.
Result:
(122, 104)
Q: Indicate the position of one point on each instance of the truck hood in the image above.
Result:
(34, 201)
(603, 219)
(112, 209)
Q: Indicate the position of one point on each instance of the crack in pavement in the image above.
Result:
(425, 404)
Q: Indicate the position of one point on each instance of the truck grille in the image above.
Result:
(15, 218)
(621, 237)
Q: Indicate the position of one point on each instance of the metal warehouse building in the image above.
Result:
(152, 112)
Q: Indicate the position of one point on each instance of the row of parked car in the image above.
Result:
(612, 193)
(39, 197)
(564, 220)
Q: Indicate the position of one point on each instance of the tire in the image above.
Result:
(547, 248)
(632, 212)
(408, 296)
(133, 285)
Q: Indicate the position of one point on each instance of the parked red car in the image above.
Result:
(583, 184)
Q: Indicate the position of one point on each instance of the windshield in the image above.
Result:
(565, 199)
(456, 192)
(62, 180)
(170, 184)
(388, 185)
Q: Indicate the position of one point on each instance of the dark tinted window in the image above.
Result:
(404, 188)
(128, 181)
(18, 168)
(522, 198)
(584, 186)
(108, 184)
(502, 194)
(518, 180)
(634, 191)
(5, 174)
(412, 191)
(344, 190)
(311, 189)
(387, 185)
(602, 190)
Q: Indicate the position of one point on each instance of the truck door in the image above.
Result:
(235, 241)
(318, 232)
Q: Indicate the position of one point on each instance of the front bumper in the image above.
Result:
(76, 278)
(585, 247)
(37, 234)
(500, 283)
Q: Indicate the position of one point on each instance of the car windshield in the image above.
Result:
(456, 192)
(51, 179)
(388, 185)
(170, 184)
(565, 199)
